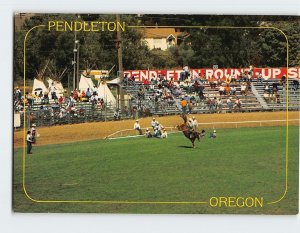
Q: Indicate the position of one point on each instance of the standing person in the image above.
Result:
(153, 123)
(29, 142)
(137, 127)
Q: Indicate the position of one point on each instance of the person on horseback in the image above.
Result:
(191, 128)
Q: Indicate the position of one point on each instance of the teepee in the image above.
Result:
(85, 83)
(55, 86)
(39, 86)
(105, 94)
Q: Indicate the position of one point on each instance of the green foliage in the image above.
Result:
(203, 48)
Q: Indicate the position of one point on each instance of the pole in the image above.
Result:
(77, 83)
(68, 82)
(120, 61)
(74, 63)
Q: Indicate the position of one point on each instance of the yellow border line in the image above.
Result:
(151, 202)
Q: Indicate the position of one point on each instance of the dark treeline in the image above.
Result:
(203, 47)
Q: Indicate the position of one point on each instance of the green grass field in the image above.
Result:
(240, 162)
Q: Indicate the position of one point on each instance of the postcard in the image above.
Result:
(156, 114)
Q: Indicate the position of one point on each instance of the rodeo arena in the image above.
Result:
(137, 94)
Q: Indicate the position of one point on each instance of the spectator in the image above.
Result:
(126, 111)
(237, 104)
(117, 115)
(60, 101)
(211, 105)
(190, 107)
(275, 88)
(229, 103)
(295, 85)
(183, 104)
(141, 94)
(88, 94)
(221, 90)
(233, 90)
(260, 78)
(267, 88)
(227, 89)
(45, 99)
(137, 127)
(54, 96)
(18, 94)
(219, 104)
(243, 89)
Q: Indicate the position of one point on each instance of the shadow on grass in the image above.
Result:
(189, 147)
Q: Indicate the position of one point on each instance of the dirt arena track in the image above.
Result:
(99, 130)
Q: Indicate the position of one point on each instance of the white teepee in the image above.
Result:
(85, 83)
(39, 86)
(55, 86)
(105, 94)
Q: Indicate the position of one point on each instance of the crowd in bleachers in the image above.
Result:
(49, 106)
(159, 96)
(190, 91)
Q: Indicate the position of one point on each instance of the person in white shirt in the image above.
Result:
(243, 89)
(137, 127)
(195, 123)
(153, 123)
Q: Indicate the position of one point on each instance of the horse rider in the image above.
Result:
(195, 123)
(190, 126)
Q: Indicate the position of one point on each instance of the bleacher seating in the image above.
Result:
(279, 101)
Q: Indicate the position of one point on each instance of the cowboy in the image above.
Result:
(195, 123)
(153, 123)
(137, 127)
(190, 126)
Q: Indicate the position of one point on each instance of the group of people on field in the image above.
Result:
(159, 131)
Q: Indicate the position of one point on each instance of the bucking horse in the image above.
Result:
(190, 134)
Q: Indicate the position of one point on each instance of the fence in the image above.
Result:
(127, 133)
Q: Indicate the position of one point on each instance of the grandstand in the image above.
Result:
(157, 99)
(277, 99)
